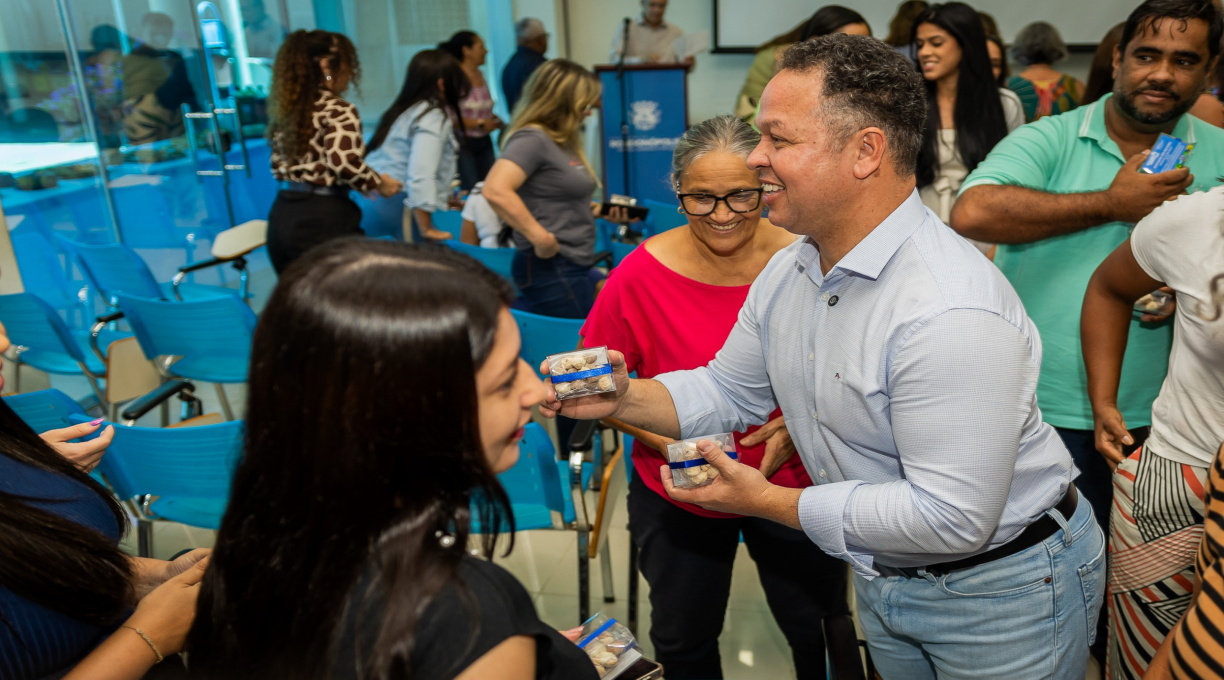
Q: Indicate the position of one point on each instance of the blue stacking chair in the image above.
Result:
(49, 410)
(45, 342)
(449, 221)
(620, 250)
(382, 217)
(538, 496)
(662, 217)
(545, 335)
(43, 274)
(496, 259)
(180, 474)
(212, 337)
(114, 268)
(147, 221)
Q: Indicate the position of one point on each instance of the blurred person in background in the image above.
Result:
(532, 44)
(826, 21)
(1101, 71)
(1042, 90)
(901, 26)
(318, 153)
(998, 59)
(477, 155)
(416, 142)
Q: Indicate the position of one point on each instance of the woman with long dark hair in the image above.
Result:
(827, 20)
(386, 391)
(967, 112)
(66, 589)
(318, 153)
(477, 156)
(416, 141)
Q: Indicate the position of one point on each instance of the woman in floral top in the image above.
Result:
(318, 154)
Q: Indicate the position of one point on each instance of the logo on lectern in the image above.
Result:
(645, 115)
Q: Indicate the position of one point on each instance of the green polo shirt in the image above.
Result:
(1072, 153)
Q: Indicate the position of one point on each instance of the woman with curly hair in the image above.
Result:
(318, 154)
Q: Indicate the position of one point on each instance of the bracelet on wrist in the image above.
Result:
(148, 641)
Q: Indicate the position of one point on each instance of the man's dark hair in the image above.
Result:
(866, 84)
(1149, 15)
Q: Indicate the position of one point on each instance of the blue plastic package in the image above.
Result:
(1167, 154)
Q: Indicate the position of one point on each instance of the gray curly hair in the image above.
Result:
(1038, 43)
(866, 84)
(721, 133)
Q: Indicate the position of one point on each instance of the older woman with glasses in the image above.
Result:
(670, 305)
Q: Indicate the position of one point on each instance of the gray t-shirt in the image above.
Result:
(557, 192)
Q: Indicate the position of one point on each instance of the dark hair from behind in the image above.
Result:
(1039, 43)
(1100, 74)
(48, 559)
(901, 27)
(829, 19)
(297, 80)
(421, 85)
(362, 447)
(978, 114)
(454, 45)
(866, 84)
(1149, 16)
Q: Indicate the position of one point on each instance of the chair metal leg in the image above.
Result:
(144, 537)
(225, 405)
(605, 567)
(584, 579)
(633, 585)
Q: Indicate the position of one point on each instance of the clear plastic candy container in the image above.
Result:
(611, 646)
(581, 373)
(687, 466)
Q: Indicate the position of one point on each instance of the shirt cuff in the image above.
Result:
(821, 509)
(695, 412)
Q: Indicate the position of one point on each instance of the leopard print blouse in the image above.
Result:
(337, 150)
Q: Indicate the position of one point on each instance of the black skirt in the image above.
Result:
(300, 221)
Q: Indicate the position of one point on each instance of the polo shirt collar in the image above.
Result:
(1093, 127)
(869, 257)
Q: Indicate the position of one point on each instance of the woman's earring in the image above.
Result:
(444, 539)
(680, 209)
(328, 76)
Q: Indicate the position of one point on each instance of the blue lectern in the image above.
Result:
(645, 105)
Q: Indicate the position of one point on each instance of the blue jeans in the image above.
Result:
(554, 287)
(1028, 615)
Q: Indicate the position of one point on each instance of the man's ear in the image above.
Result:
(870, 145)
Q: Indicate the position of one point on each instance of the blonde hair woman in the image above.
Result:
(542, 186)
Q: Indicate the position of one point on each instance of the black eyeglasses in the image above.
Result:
(742, 201)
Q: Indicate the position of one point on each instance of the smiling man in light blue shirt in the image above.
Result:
(906, 369)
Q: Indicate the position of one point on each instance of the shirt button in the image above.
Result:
(832, 300)
(824, 296)
(822, 473)
(811, 357)
(816, 415)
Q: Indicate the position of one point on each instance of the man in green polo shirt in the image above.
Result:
(1060, 194)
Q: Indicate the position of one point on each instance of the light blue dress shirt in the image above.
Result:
(907, 377)
(422, 152)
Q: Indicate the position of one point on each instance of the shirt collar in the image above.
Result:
(869, 257)
(642, 22)
(1094, 128)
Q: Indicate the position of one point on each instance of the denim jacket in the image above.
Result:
(421, 151)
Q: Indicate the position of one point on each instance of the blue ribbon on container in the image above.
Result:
(596, 633)
(569, 377)
(681, 464)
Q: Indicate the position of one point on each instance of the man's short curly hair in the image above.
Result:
(866, 84)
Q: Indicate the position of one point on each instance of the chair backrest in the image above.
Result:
(382, 216)
(620, 250)
(145, 219)
(496, 259)
(45, 409)
(114, 268)
(534, 478)
(33, 323)
(662, 217)
(449, 221)
(218, 328)
(42, 273)
(545, 335)
(196, 462)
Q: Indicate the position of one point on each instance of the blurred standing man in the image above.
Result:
(651, 40)
(532, 44)
(1061, 194)
(905, 367)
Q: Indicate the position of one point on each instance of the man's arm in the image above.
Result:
(1104, 325)
(1003, 213)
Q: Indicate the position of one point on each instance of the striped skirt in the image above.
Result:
(1154, 531)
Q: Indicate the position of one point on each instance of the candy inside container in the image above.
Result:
(688, 468)
(610, 645)
(581, 373)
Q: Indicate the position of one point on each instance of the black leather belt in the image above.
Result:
(318, 189)
(1043, 528)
